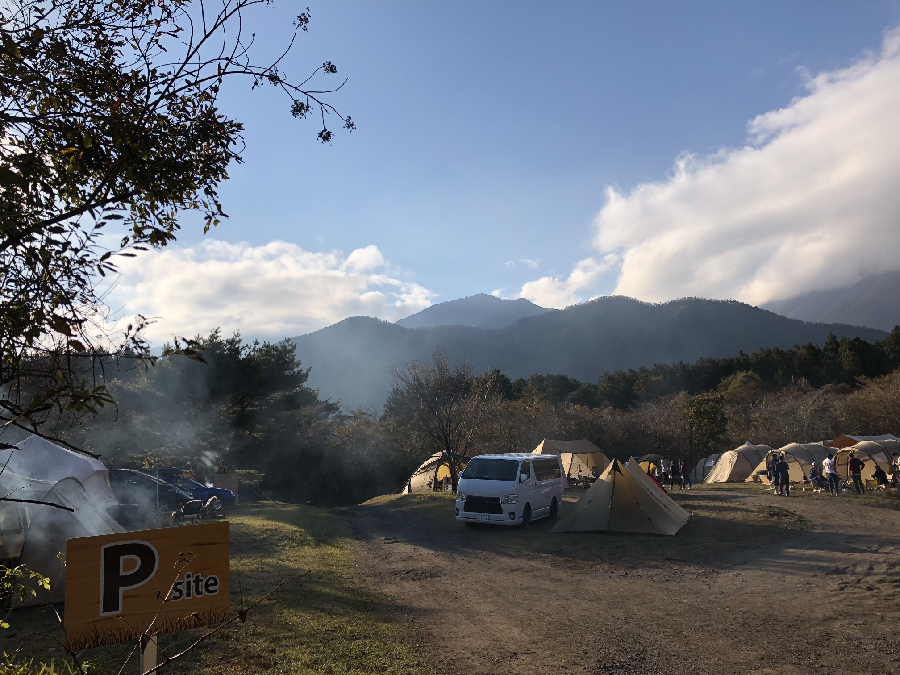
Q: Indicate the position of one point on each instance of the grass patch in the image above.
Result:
(328, 622)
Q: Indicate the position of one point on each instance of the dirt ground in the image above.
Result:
(754, 583)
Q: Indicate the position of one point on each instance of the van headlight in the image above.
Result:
(460, 497)
(509, 499)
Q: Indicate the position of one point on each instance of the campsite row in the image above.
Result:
(746, 463)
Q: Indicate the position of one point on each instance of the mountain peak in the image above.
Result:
(476, 311)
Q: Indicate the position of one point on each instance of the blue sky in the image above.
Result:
(489, 132)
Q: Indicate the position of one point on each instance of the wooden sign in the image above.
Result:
(119, 585)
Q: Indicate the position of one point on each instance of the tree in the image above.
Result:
(441, 407)
(109, 117)
(707, 424)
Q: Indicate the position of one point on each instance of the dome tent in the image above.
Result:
(703, 468)
(624, 499)
(870, 452)
(430, 474)
(736, 465)
(42, 471)
(799, 457)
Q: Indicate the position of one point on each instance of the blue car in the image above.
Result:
(201, 492)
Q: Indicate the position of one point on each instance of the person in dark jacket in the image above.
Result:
(782, 476)
(685, 476)
(770, 470)
(855, 467)
(881, 479)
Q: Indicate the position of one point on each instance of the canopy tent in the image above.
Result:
(39, 459)
(799, 457)
(736, 465)
(576, 456)
(846, 441)
(890, 445)
(873, 454)
(624, 499)
(430, 474)
(703, 468)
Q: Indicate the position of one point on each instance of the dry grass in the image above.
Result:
(326, 622)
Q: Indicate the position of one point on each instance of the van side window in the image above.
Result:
(546, 469)
(526, 469)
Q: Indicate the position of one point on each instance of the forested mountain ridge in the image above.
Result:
(351, 360)
(477, 311)
(873, 301)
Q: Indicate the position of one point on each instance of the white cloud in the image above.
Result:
(498, 293)
(510, 263)
(531, 264)
(272, 291)
(558, 293)
(810, 202)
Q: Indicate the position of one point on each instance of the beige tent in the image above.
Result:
(576, 456)
(429, 476)
(624, 499)
(736, 465)
(873, 454)
(799, 457)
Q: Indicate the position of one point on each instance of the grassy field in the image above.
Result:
(327, 622)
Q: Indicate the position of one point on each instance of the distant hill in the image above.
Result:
(477, 311)
(351, 360)
(874, 301)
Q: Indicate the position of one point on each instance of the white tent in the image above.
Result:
(39, 459)
(50, 528)
(41, 471)
(736, 465)
(624, 499)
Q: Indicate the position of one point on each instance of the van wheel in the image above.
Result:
(554, 508)
(526, 515)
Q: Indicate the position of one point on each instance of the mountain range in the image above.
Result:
(477, 311)
(351, 361)
(873, 301)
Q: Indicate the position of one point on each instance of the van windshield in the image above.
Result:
(491, 469)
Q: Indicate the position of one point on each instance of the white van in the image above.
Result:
(511, 489)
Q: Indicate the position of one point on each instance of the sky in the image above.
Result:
(553, 152)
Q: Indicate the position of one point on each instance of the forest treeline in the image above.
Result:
(246, 406)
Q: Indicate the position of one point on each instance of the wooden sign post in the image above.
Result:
(122, 587)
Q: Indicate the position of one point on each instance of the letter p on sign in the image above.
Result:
(118, 584)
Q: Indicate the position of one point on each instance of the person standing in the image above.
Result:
(686, 476)
(782, 476)
(770, 470)
(895, 468)
(834, 486)
(855, 467)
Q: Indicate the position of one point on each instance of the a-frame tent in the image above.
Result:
(624, 499)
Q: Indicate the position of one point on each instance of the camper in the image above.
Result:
(511, 489)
